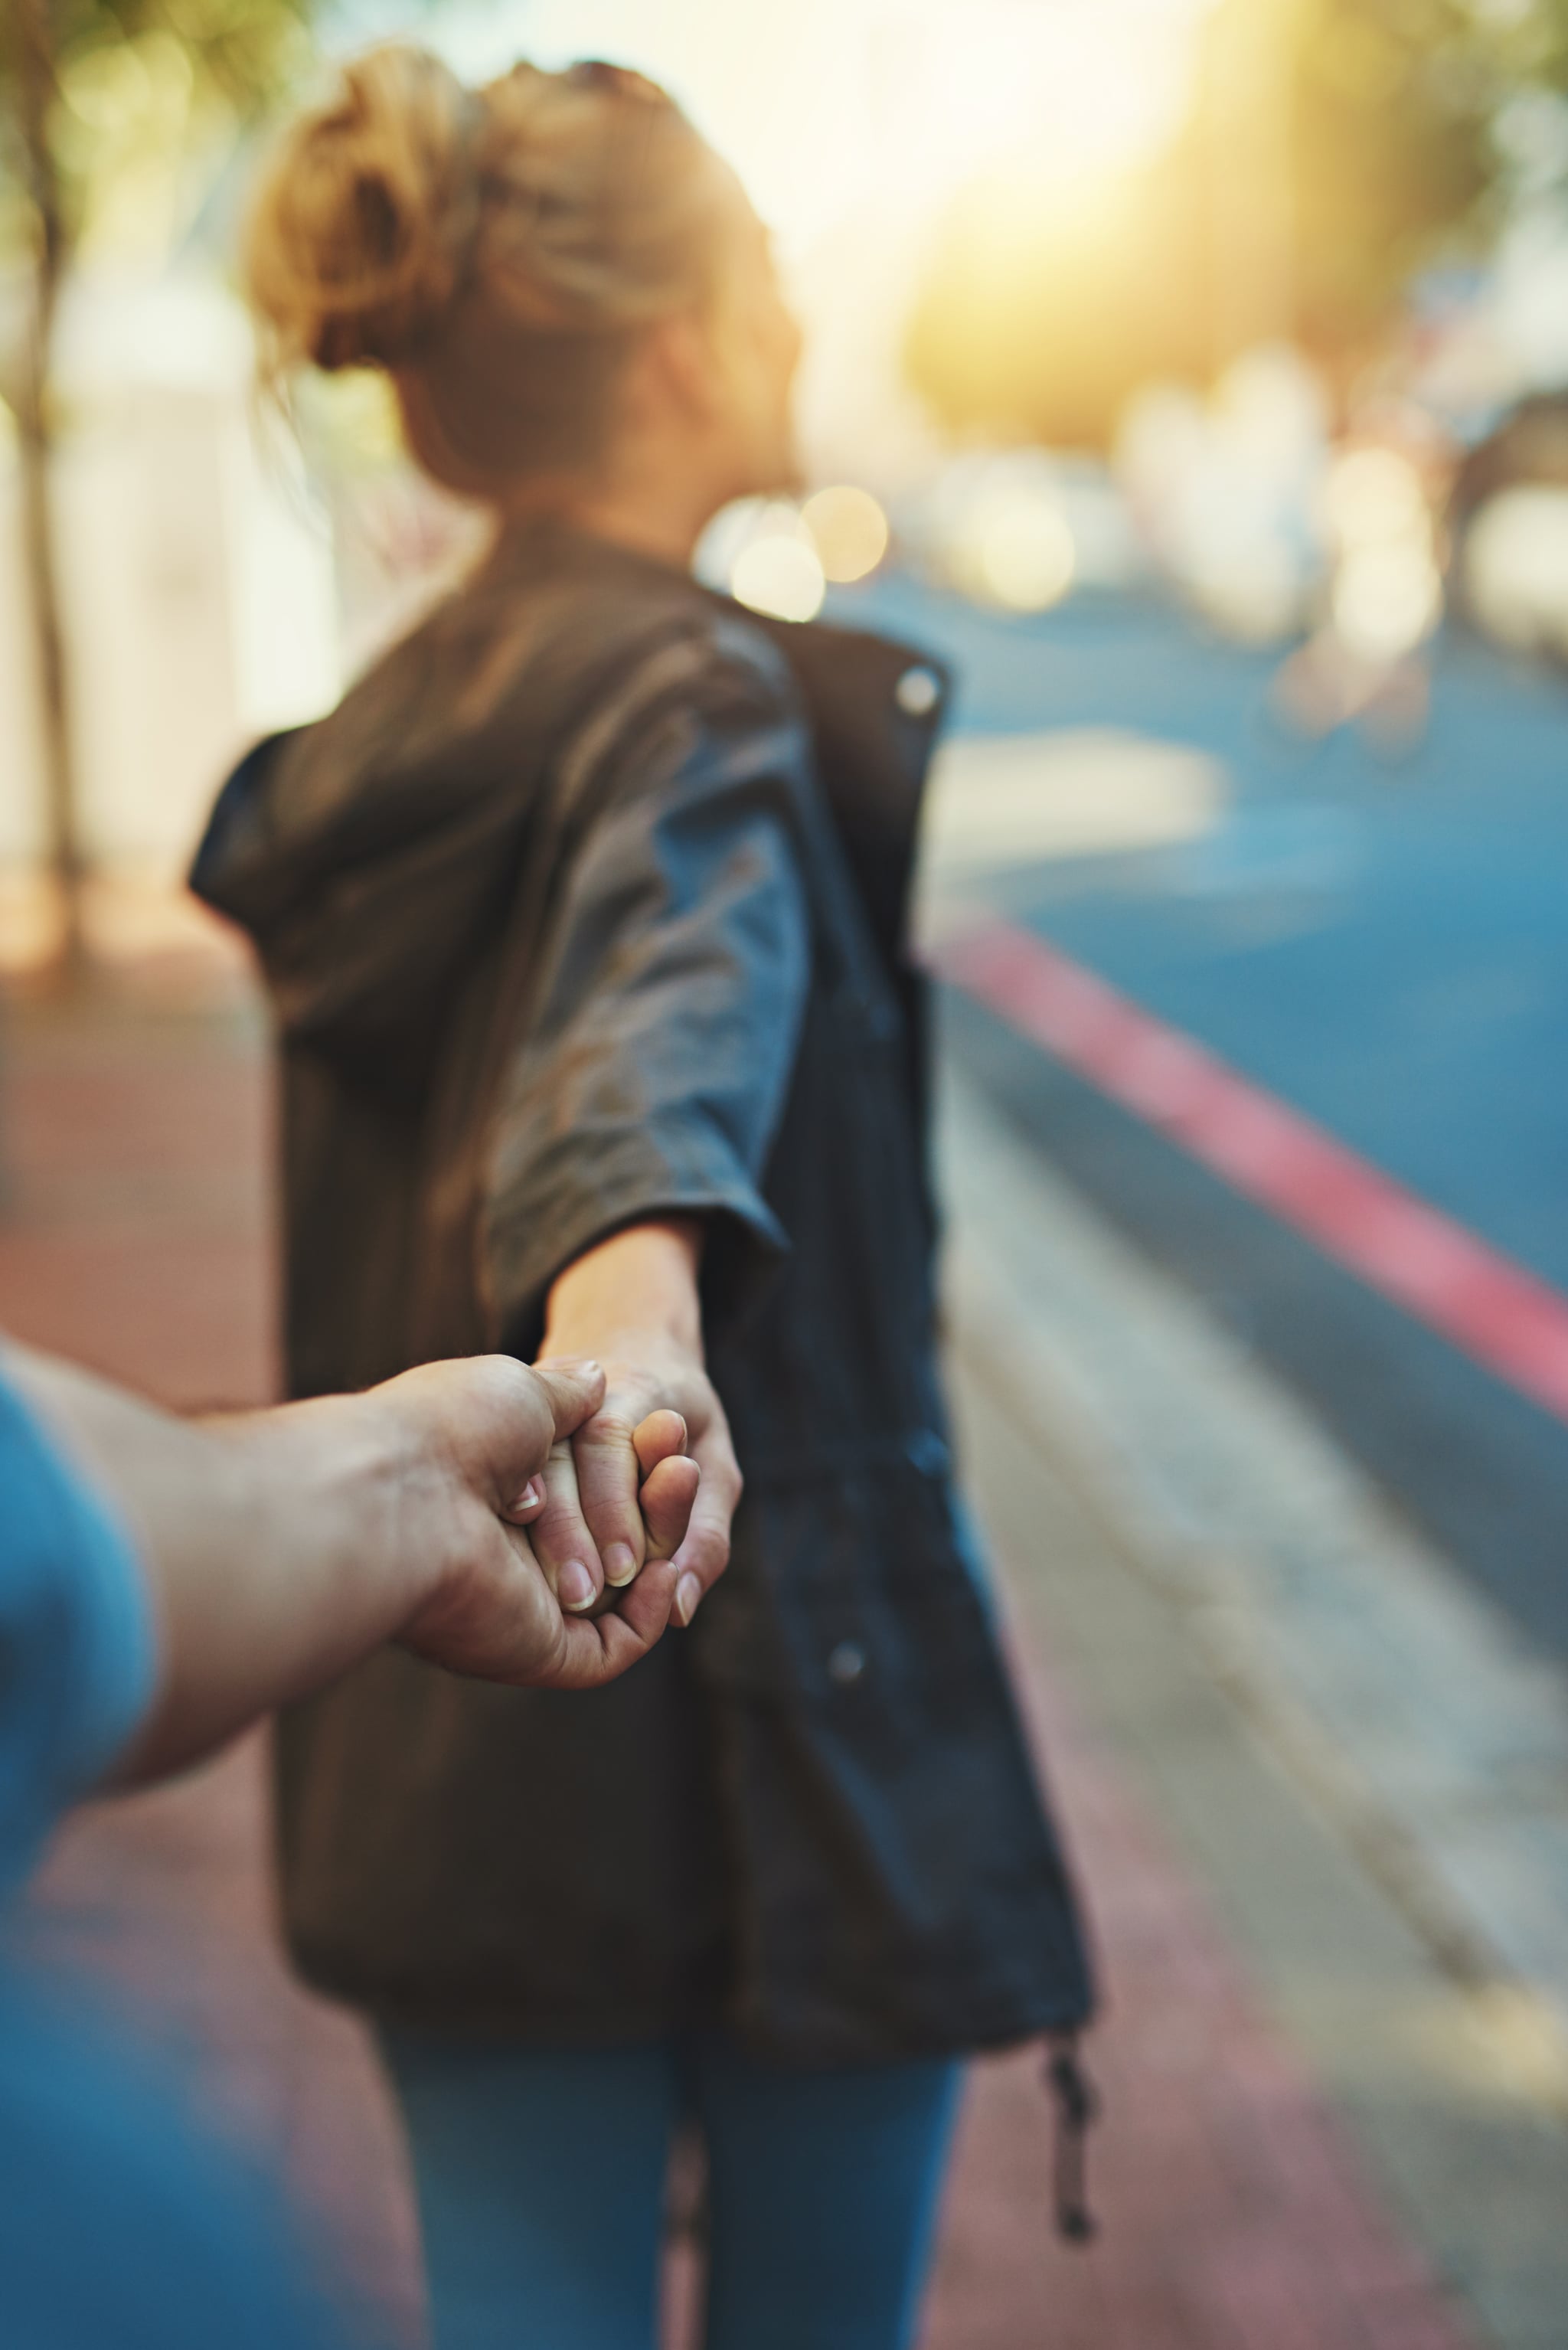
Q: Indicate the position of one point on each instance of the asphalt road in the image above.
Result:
(1384, 946)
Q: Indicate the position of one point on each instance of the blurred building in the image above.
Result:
(199, 600)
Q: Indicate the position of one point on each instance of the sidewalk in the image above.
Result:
(1337, 1747)
(1235, 2177)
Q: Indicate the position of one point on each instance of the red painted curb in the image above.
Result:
(1492, 1309)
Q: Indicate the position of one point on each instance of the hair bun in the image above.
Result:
(363, 226)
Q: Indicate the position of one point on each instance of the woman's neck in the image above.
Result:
(659, 520)
(669, 538)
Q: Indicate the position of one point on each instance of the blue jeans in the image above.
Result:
(541, 2181)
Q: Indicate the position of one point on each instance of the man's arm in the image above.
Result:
(281, 1546)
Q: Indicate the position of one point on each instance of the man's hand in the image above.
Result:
(280, 1547)
(633, 1303)
(479, 1432)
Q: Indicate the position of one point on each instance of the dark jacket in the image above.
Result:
(586, 905)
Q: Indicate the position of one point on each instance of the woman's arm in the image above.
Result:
(281, 1546)
(633, 1303)
(641, 1105)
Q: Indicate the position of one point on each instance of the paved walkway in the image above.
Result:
(1238, 2212)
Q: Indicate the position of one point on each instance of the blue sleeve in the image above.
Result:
(125, 2225)
(78, 1649)
(118, 2221)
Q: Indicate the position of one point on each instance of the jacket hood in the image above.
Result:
(364, 885)
(372, 855)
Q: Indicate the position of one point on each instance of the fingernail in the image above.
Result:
(688, 1597)
(575, 1586)
(620, 1565)
(531, 1496)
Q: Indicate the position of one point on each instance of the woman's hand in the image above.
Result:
(632, 1302)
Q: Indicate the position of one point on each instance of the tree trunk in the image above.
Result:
(32, 34)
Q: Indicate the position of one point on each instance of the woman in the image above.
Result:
(583, 922)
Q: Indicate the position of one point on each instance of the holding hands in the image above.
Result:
(600, 1499)
(279, 1547)
(632, 1304)
(539, 1524)
(497, 1436)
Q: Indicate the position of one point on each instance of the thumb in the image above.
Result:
(573, 1390)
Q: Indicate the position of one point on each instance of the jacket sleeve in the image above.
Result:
(658, 1054)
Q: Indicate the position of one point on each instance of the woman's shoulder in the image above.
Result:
(712, 654)
(578, 606)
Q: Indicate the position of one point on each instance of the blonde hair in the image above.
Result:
(496, 251)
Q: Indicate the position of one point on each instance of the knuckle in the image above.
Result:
(612, 1427)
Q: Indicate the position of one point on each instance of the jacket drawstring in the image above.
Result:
(1077, 2106)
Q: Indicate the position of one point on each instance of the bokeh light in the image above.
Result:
(1514, 566)
(1248, 581)
(1387, 590)
(780, 572)
(1385, 599)
(1224, 489)
(1025, 558)
(1005, 540)
(849, 531)
(1374, 495)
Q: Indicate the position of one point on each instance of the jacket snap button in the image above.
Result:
(926, 1452)
(846, 1663)
(918, 693)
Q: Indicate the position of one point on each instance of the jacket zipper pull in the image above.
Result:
(1077, 2106)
